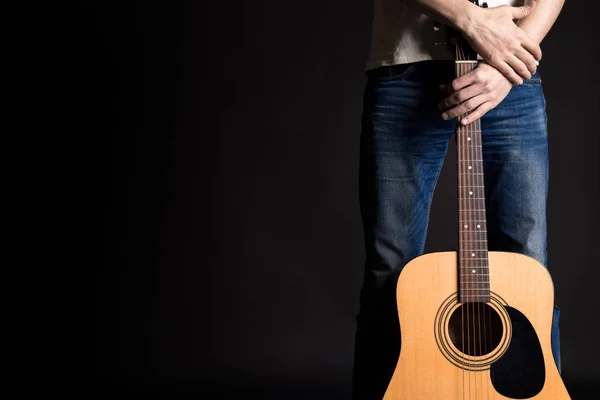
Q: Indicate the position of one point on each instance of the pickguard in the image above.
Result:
(520, 373)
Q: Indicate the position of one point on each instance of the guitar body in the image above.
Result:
(519, 362)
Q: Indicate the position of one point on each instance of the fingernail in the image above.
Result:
(444, 116)
(464, 121)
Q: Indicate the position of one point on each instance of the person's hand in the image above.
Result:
(493, 34)
(477, 91)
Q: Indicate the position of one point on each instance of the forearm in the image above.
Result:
(454, 13)
(539, 22)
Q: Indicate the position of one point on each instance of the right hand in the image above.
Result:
(493, 34)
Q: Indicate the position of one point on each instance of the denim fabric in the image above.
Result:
(403, 144)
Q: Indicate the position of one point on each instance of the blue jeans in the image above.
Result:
(402, 147)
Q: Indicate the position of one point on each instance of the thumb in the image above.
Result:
(523, 11)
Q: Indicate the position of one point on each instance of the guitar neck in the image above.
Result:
(473, 271)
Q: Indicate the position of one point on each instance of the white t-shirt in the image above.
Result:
(401, 34)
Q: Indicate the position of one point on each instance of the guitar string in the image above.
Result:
(470, 337)
(464, 305)
(481, 234)
(483, 279)
(467, 296)
(477, 276)
(467, 262)
(487, 277)
(470, 208)
(466, 234)
(472, 314)
(461, 236)
(474, 177)
(472, 211)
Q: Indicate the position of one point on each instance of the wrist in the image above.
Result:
(466, 18)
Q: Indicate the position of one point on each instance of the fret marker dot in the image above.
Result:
(474, 271)
(470, 193)
(466, 226)
(472, 254)
(478, 226)
(469, 139)
(470, 167)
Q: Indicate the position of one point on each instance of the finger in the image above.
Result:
(460, 96)
(465, 107)
(459, 83)
(522, 11)
(508, 72)
(520, 67)
(527, 59)
(477, 113)
(532, 47)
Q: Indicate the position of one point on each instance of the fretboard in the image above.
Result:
(473, 265)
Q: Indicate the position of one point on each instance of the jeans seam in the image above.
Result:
(437, 175)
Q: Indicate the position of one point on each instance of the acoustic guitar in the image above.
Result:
(474, 324)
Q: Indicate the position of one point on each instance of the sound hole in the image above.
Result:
(475, 329)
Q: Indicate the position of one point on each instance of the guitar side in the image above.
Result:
(425, 369)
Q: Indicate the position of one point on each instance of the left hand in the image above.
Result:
(477, 92)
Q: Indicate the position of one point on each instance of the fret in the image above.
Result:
(473, 298)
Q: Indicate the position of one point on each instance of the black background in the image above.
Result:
(227, 144)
